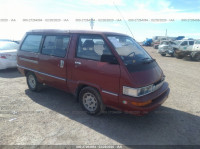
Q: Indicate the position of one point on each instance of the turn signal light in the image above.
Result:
(141, 103)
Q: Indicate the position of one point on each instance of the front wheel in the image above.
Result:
(90, 100)
(32, 82)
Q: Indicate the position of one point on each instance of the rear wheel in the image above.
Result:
(197, 57)
(163, 54)
(172, 54)
(178, 56)
(90, 100)
(32, 82)
(155, 46)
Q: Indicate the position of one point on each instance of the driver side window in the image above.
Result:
(92, 47)
(184, 43)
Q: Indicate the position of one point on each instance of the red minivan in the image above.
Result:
(102, 69)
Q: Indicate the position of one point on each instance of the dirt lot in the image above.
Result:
(54, 117)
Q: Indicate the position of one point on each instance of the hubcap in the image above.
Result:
(90, 102)
(31, 81)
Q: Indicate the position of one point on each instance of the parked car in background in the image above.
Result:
(183, 48)
(195, 53)
(156, 43)
(16, 41)
(166, 47)
(101, 69)
(147, 42)
(158, 39)
(8, 54)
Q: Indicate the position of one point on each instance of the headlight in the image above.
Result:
(137, 92)
(130, 91)
(145, 90)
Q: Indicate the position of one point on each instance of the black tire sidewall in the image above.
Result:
(163, 54)
(178, 56)
(196, 57)
(97, 96)
(172, 55)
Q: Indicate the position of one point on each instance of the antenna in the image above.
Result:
(123, 19)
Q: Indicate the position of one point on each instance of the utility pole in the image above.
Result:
(166, 34)
(92, 23)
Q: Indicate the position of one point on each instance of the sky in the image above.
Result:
(138, 18)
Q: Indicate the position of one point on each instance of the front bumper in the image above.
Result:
(165, 51)
(158, 97)
(161, 51)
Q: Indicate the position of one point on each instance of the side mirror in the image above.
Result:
(111, 59)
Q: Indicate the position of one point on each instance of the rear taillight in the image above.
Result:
(4, 56)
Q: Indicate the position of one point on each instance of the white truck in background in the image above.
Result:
(186, 47)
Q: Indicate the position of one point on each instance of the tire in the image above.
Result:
(32, 82)
(178, 56)
(155, 46)
(172, 54)
(196, 57)
(90, 101)
(163, 54)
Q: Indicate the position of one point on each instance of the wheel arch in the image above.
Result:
(36, 75)
(27, 71)
(80, 86)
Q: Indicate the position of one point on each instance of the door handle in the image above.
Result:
(77, 63)
(61, 64)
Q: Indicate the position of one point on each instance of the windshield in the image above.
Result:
(197, 42)
(129, 50)
(172, 43)
(6, 45)
(178, 42)
(164, 43)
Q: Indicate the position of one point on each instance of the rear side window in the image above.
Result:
(92, 47)
(55, 45)
(191, 42)
(31, 43)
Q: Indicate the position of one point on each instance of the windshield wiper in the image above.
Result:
(146, 58)
(148, 61)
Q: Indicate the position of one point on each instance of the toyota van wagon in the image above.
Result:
(102, 69)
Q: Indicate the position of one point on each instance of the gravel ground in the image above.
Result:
(54, 117)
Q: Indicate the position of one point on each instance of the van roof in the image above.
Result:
(73, 31)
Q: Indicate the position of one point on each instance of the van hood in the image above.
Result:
(146, 75)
